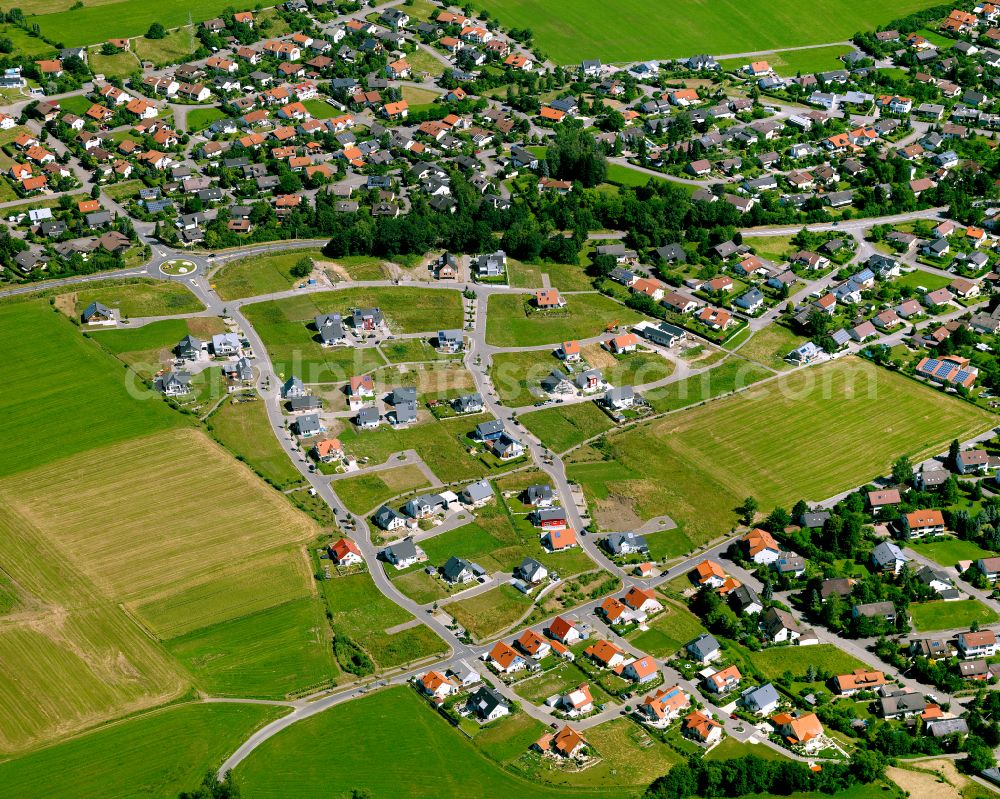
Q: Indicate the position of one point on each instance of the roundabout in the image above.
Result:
(178, 267)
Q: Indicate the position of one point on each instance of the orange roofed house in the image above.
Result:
(702, 728)
(709, 573)
(345, 553)
(803, 732)
(549, 298)
(663, 706)
(566, 743)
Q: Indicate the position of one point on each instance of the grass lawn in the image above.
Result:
(441, 444)
(132, 297)
(513, 321)
(941, 615)
(609, 32)
(730, 375)
(919, 277)
(123, 19)
(491, 612)
(243, 428)
(124, 191)
(77, 104)
(261, 274)
(950, 551)
(730, 749)
(175, 47)
(119, 65)
(560, 680)
(562, 427)
(361, 612)
(416, 96)
(668, 631)
(626, 176)
(150, 347)
(770, 346)
(774, 662)
(321, 109)
(157, 755)
(422, 61)
(421, 587)
(93, 409)
(365, 492)
(508, 738)
(410, 350)
(429, 759)
(499, 541)
(565, 277)
(671, 465)
(516, 375)
(792, 62)
(200, 118)
(285, 327)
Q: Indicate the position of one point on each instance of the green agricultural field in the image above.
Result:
(919, 277)
(260, 274)
(132, 297)
(71, 636)
(950, 551)
(243, 428)
(668, 631)
(793, 62)
(93, 409)
(321, 109)
(732, 374)
(366, 492)
(281, 651)
(123, 19)
(562, 427)
(429, 759)
(717, 450)
(175, 47)
(774, 662)
(567, 32)
(940, 615)
(361, 612)
(200, 118)
(491, 612)
(770, 346)
(513, 321)
(156, 755)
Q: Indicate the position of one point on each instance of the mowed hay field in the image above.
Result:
(74, 397)
(807, 435)
(158, 754)
(199, 543)
(632, 30)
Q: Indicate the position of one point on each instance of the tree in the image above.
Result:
(902, 470)
(748, 510)
(953, 451)
(156, 31)
(302, 268)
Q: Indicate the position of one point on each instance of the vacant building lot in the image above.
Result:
(852, 416)
(286, 327)
(365, 492)
(570, 31)
(261, 274)
(562, 427)
(513, 320)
